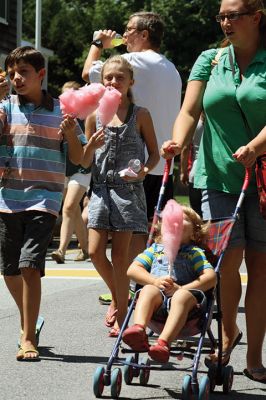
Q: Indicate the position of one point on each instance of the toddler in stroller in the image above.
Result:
(171, 300)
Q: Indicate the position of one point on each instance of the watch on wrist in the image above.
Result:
(98, 43)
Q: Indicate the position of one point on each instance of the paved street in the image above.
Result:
(74, 342)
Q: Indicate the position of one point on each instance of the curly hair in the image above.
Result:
(200, 228)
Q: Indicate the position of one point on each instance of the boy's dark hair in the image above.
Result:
(151, 22)
(27, 54)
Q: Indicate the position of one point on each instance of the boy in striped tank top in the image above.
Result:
(33, 141)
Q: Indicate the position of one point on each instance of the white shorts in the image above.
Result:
(79, 179)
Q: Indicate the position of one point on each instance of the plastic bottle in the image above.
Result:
(134, 165)
(116, 41)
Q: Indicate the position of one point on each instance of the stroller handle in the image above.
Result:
(167, 168)
(247, 178)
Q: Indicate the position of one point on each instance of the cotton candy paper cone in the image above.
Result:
(108, 105)
(172, 228)
(82, 102)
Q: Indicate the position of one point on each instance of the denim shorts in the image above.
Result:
(118, 208)
(24, 239)
(249, 229)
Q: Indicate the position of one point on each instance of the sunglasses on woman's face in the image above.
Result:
(233, 16)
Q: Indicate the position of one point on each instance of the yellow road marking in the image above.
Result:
(90, 273)
(77, 273)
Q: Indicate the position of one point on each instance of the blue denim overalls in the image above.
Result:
(115, 204)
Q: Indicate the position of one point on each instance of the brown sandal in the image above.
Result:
(256, 371)
(213, 358)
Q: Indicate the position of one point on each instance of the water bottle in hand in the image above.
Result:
(117, 40)
(134, 165)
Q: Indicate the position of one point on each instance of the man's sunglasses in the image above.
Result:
(233, 16)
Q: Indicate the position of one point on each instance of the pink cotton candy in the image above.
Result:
(172, 228)
(108, 105)
(82, 102)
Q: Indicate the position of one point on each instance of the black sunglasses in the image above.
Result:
(233, 16)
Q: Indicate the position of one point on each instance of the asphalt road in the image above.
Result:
(74, 342)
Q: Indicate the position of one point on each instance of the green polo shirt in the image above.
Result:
(225, 129)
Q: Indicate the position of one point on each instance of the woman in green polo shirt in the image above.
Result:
(230, 86)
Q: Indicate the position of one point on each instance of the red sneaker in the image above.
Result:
(160, 351)
(135, 337)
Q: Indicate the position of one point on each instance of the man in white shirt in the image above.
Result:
(157, 87)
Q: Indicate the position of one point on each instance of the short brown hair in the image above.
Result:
(27, 54)
(151, 22)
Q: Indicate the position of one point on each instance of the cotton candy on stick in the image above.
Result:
(108, 105)
(82, 102)
(172, 228)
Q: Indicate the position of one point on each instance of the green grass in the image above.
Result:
(182, 200)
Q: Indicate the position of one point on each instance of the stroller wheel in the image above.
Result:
(228, 378)
(187, 393)
(98, 382)
(116, 383)
(204, 388)
(144, 374)
(128, 371)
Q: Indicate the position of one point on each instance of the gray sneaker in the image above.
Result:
(82, 255)
(58, 256)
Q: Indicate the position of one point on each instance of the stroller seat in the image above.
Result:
(195, 320)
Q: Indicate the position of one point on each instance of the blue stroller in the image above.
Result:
(132, 364)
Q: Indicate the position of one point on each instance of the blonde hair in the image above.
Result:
(200, 228)
(121, 61)
(70, 85)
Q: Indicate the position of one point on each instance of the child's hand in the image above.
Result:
(169, 291)
(68, 125)
(97, 139)
(139, 176)
(4, 87)
(163, 282)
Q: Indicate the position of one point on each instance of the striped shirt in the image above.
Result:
(189, 263)
(32, 155)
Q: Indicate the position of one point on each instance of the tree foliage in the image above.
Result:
(68, 25)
